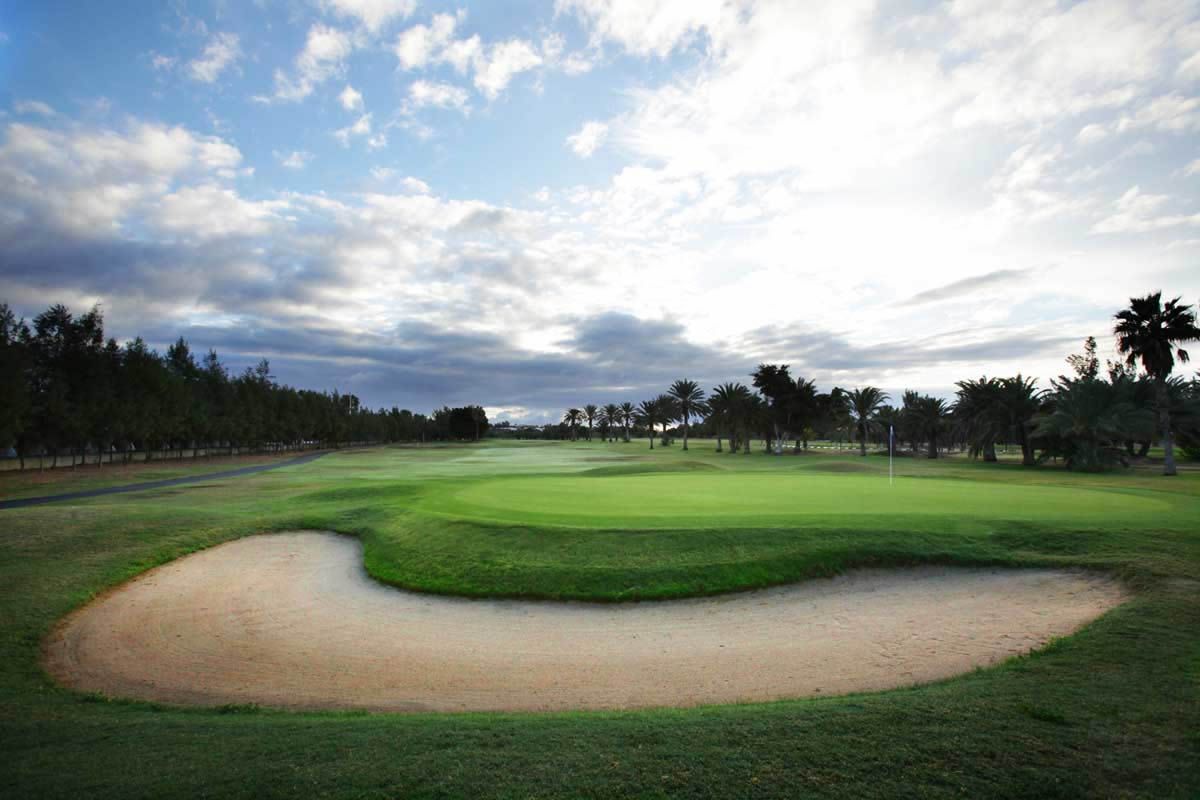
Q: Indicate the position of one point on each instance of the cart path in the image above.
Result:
(292, 620)
(163, 484)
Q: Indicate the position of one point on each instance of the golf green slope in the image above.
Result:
(805, 498)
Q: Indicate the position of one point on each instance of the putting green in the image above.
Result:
(724, 499)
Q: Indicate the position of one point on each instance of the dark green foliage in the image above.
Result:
(63, 387)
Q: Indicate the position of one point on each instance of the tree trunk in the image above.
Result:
(862, 440)
(989, 452)
(1143, 449)
(718, 440)
(652, 436)
(1164, 417)
(933, 452)
(685, 431)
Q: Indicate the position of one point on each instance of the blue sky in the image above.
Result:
(536, 204)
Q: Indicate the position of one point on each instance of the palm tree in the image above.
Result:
(610, 417)
(928, 417)
(668, 411)
(980, 417)
(1020, 401)
(572, 418)
(756, 412)
(627, 417)
(864, 405)
(1087, 421)
(689, 399)
(1151, 332)
(590, 412)
(648, 415)
(720, 409)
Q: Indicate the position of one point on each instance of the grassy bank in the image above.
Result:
(1111, 711)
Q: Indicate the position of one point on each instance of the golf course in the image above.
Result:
(433, 621)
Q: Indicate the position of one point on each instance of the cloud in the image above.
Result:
(162, 62)
(423, 94)
(210, 211)
(372, 14)
(33, 107)
(325, 52)
(421, 44)
(351, 99)
(222, 51)
(360, 127)
(971, 285)
(655, 29)
(492, 66)
(415, 185)
(588, 138)
(1138, 212)
(296, 159)
(494, 71)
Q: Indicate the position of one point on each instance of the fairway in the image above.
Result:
(279, 645)
(705, 499)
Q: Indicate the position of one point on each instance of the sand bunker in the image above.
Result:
(292, 620)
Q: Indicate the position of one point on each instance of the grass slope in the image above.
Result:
(1112, 711)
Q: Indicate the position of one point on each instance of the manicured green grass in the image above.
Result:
(1111, 711)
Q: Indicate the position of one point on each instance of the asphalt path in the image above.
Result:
(25, 502)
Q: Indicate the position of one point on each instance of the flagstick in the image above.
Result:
(891, 449)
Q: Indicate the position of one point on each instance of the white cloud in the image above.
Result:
(503, 61)
(360, 127)
(162, 62)
(423, 94)
(351, 99)
(373, 14)
(211, 211)
(658, 28)
(415, 185)
(325, 52)
(33, 107)
(1091, 133)
(222, 51)
(492, 67)
(420, 44)
(296, 159)
(89, 180)
(1192, 168)
(588, 138)
(1140, 213)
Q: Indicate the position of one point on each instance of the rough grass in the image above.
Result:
(1112, 711)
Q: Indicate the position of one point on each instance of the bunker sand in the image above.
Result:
(293, 621)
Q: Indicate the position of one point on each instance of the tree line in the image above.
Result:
(1090, 420)
(66, 389)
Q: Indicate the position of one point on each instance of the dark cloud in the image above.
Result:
(966, 286)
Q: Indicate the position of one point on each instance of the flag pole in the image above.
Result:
(891, 448)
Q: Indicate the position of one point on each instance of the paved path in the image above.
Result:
(141, 487)
(293, 620)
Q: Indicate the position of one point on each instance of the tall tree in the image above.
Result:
(648, 414)
(980, 417)
(15, 362)
(668, 411)
(1151, 332)
(590, 412)
(774, 382)
(627, 417)
(1021, 400)
(864, 405)
(689, 399)
(572, 418)
(610, 417)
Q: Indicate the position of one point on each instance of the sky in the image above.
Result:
(534, 205)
